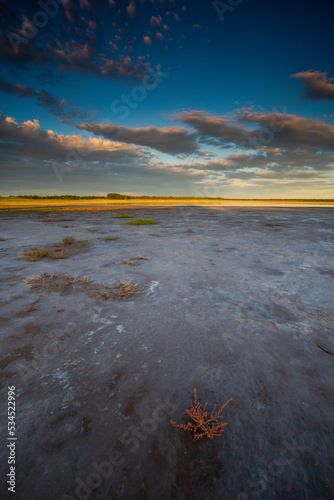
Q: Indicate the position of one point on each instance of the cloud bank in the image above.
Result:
(317, 85)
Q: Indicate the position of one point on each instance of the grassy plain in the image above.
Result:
(10, 203)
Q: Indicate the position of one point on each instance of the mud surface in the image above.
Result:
(236, 302)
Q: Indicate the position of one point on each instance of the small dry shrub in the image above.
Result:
(202, 425)
(128, 262)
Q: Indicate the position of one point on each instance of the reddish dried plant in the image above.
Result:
(203, 425)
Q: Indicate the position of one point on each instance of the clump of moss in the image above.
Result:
(69, 240)
(110, 238)
(141, 222)
(123, 216)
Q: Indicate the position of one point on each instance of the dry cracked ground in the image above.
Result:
(234, 302)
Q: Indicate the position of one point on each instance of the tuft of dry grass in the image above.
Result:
(1, 239)
(62, 283)
(274, 225)
(55, 220)
(60, 255)
(31, 308)
(140, 257)
(58, 282)
(35, 254)
(121, 290)
(129, 262)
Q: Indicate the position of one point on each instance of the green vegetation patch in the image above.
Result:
(141, 222)
(70, 240)
(123, 216)
(110, 238)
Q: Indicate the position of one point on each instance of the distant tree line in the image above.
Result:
(54, 197)
(117, 196)
(109, 196)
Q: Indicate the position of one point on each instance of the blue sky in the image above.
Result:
(167, 97)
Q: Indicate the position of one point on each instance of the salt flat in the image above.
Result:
(235, 303)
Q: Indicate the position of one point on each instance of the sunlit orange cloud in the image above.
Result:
(30, 129)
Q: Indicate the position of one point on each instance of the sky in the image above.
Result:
(231, 99)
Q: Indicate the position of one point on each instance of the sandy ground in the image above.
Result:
(233, 305)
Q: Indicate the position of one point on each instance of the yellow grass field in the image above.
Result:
(105, 204)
